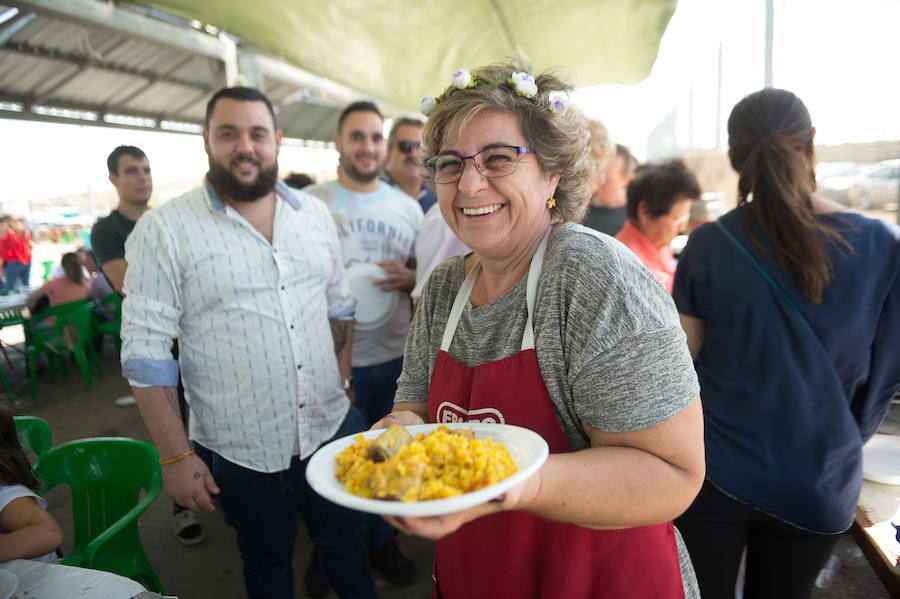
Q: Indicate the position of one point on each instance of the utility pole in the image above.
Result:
(770, 25)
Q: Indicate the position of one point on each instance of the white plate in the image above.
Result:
(881, 460)
(374, 307)
(527, 448)
(9, 582)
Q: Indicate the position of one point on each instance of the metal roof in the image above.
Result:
(88, 61)
(155, 65)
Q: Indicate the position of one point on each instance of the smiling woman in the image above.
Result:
(553, 327)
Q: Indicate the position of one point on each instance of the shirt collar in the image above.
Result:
(282, 191)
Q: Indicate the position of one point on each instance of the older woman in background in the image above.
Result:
(554, 327)
(792, 311)
(659, 206)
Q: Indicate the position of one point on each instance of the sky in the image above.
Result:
(840, 57)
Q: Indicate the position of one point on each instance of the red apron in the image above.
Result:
(516, 554)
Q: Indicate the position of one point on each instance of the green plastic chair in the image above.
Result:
(106, 477)
(48, 266)
(70, 335)
(9, 318)
(34, 434)
(111, 308)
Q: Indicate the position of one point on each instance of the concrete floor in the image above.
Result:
(213, 569)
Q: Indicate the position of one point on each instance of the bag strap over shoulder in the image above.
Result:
(778, 289)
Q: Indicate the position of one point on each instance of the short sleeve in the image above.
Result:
(683, 285)
(628, 364)
(106, 243)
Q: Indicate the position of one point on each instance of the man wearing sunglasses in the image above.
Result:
(402, 167)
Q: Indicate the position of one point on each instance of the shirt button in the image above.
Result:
(303, 405)
(299, 366)
(292, 326)
(282, 287)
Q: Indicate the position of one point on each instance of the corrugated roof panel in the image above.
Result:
(54, 75)
(23, 74)
(201, 71)
(162, 98)
(112, 60)
(280, 92)
(308, 121)
(97, 87)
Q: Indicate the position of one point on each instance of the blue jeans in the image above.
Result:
(262, 508)
(16, 274)
(375, 389)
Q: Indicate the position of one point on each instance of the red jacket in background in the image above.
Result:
(14, 248)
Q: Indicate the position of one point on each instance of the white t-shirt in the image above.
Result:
(374, 227)
(435, 243)
(8, 494)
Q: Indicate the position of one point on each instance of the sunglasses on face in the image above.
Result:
(407, 146)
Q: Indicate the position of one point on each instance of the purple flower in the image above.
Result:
(428, 104)
(463, 79)
(524, 84)
(559, 102)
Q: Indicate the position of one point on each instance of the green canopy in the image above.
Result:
(398, 51)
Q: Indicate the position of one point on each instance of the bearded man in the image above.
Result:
(247, 274)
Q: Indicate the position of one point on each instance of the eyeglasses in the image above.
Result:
(407, 146)
(495, 161)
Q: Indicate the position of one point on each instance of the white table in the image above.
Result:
(13, 301)
(878, 506)
(41, 580)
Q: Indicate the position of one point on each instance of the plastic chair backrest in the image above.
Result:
(71, 333)
(77, 324)
(108, 319)
(106, 477)
(63, 308)
(34, 434)
(50, 323)
(115, 300)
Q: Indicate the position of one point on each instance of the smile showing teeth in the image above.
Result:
(483, 210)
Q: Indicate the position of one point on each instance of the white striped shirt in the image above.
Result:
(251, 318)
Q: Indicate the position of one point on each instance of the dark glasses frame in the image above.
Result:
(407, 146)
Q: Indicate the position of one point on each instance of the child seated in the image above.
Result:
(27, 530)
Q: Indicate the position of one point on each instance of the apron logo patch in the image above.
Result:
(448, 412)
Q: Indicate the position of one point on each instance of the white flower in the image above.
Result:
(428, 104)
(463, 79)
(559, 102)
(524, 84)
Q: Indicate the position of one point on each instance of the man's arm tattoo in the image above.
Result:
(340, 330)
(172, 396)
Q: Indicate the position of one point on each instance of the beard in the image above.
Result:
(356, 174)
(226, 184)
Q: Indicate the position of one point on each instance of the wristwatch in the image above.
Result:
(347, 384)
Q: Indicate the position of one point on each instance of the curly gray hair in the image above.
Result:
(560, 141)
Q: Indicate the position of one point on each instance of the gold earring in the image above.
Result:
(551, 203)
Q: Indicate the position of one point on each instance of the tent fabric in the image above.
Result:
(398, 51)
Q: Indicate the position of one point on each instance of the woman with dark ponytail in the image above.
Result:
(790, 306)
(71, 286)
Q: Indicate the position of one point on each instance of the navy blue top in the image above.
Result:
(788, 404)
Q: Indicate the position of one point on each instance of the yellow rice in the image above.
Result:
(433, 466)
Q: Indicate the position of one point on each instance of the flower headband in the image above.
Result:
(521, 83)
